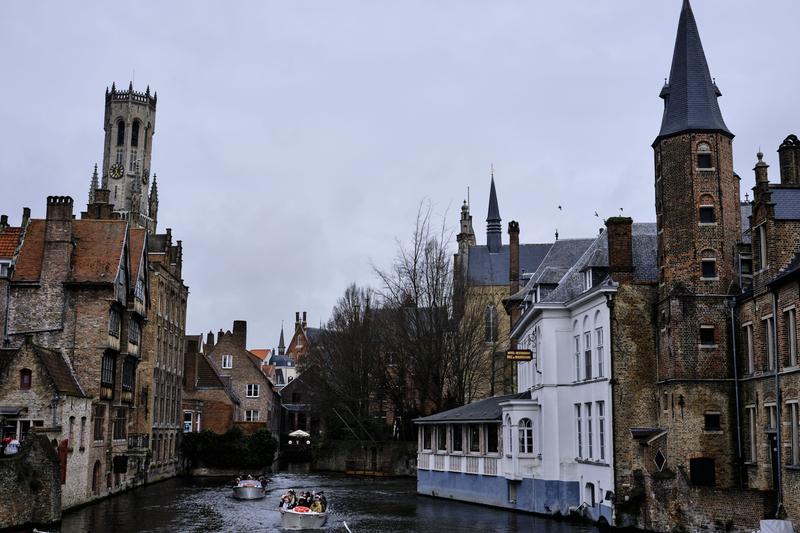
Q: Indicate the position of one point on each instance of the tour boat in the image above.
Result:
(302, 518)
(249, 489)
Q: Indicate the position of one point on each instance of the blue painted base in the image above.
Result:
(532, 495)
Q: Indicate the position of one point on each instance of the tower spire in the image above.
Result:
(494, 228)
(281, 343)
(95, 184)
(690, 95)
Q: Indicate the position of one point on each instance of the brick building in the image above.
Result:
(242, 372)
(78, 290)
(209, 402)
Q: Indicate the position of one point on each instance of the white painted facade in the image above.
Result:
(570, 406)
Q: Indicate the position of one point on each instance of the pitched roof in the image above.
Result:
(29, 261)
(57, 367)
(95, 257)
(98, 249)
(487, 410)
(262, 354)
(207, 376)
(486, 268)
(690, 96)
(787, 203)
(136, 244)
(9, 237)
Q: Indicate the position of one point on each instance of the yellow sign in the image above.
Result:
(519, 355)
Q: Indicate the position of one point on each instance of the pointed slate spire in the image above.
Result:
(690, 95)
(494, 228)
(281, 343)
(95, 184)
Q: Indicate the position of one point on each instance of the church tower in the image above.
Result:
(494, 226)
(129, 124)
(699, 222)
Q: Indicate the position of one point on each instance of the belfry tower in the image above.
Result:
(699, 224)
(129, 125)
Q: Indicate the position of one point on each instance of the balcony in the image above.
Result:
(486, 465)
(138, 442)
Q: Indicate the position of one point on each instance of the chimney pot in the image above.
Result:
(3, 221)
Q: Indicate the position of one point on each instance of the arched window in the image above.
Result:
(135, 133)
(704, 156)
(120, 133)
(490, 318)
(525, 436)
(96, 476)
(25, 378)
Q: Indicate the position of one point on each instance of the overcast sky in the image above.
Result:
(295, 140)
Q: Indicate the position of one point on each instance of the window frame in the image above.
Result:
(25, 384)
(253, 390)
(227, 358)
(587, 355)
(599, 349)
(708, 262)
(525, 436)
(251, 415)
(707, 209)
(703, 340)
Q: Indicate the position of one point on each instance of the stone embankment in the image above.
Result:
(30, 485)
(382, 458)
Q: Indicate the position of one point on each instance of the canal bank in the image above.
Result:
(376, 505)
(371, 458)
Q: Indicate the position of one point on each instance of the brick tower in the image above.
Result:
(699, 224)
(129, 124)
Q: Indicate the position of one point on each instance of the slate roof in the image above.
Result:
(9, 237)
(207, 376)
(485, 268)
(576, 255)
(746, 209)
(95, 258)
(281, 360)
(487, 410)
(690, 96)
(312, 334)
(787, 203)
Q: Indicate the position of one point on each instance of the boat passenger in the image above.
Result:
(316, 507)
(288, 500)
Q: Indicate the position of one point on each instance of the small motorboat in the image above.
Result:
(302, 518)
(249, 489)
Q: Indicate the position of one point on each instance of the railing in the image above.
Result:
(138, 441)
(465, 464)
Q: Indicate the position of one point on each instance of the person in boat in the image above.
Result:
(288, 500)
(303, 500)
(323, 500)
(316, 507)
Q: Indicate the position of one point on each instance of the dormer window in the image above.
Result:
(587, 279)
(704, 161)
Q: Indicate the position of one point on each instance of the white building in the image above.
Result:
(554, 453)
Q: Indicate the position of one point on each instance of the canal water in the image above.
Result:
(374, 505)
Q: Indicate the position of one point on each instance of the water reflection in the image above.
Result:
(372, 505)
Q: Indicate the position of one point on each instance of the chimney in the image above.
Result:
(513, 253)
(240, 332)
(26, 216)
(209, 343)
(620, 244)
(297, 321)
(789, 157)
(304, 320)
(3, 221)
(58, 227)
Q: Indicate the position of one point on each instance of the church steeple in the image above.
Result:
(494, 228)
(690, 95)
(281, 343)
(153, 204)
